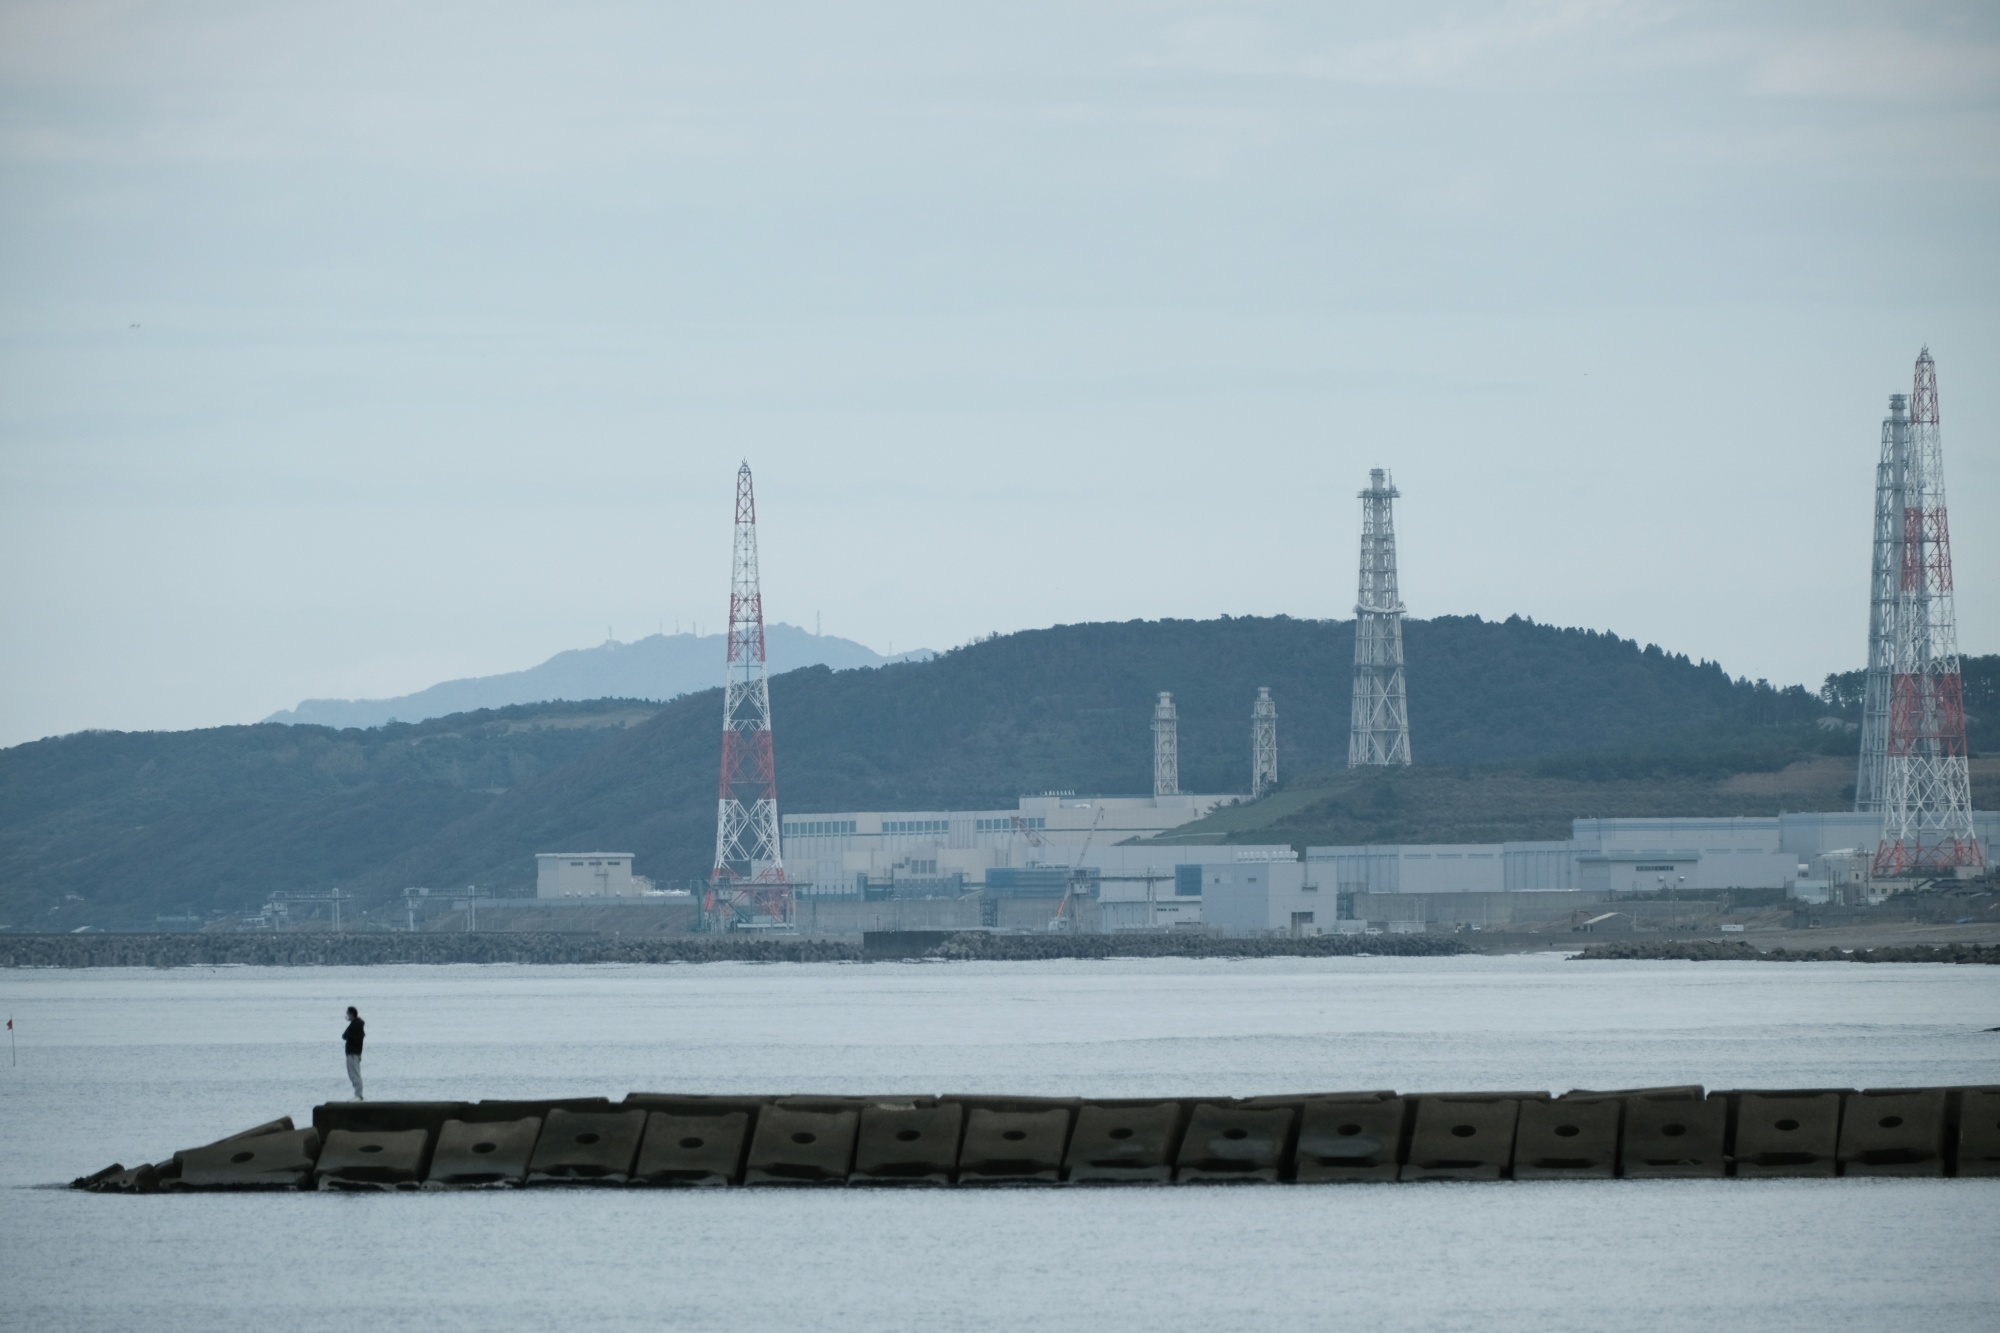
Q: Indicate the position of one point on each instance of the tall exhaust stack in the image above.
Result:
(1926, 779)
(747, 885)
(1263, 743)
(1166, 747)
(1885, 565)
(1380, 734)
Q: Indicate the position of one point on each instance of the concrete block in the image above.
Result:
(1570, 1138)
(692, 1149)
(1301, 1098)
(795, 1147)
(1227, 1141)
(1979, 1132)
(586, 1147)
(1350, 1138)
(377, 1117)
(907, 1145)
(1673, 1135)
(1123, 1143)
(987, 1102)
(1462, 1138)
(283, 1124)
(488, 1152)
(1787, 1133)
(373, 1159)
(1013, 1147)
(141, 1179)
(94, 1182)
(694, 1104)
(1893, 1132)
(494, 1112)
(257, 1162)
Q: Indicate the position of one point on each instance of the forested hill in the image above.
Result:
(135, 824)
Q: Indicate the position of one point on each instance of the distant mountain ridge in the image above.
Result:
(659, 666)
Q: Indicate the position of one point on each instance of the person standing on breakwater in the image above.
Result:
(357, 1031)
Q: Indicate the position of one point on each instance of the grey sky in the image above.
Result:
(454, 320)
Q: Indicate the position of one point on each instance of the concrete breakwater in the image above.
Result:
(973, 946)
(669, 1139)
(327, 949)
(1710, 951)
(359, 949)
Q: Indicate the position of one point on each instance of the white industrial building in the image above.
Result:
(1619, 856)
(1049, 845)
(913, 852)
(1106, 851)
(587, 875)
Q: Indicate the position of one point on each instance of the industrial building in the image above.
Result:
(915, 853)
(1097, 863)
(587, 875)
(1623, 856)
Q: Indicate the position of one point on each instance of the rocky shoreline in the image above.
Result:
(1737, 951)
(376, 948)
(379, 948)
(979, 946)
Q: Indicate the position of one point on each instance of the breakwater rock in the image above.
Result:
(361, 950)
(1737, 951)
(904, 1139)
(326, 949)
(979, 946)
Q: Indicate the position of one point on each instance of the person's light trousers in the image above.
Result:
(354, 1074)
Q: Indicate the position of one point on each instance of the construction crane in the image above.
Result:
(1079, 880)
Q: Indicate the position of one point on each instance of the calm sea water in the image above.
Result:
(130, 1065)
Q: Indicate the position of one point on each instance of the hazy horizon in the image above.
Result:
(353, 349)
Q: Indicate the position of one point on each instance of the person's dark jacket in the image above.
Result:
(356, 1031)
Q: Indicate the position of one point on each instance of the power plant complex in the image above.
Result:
(1115, 862)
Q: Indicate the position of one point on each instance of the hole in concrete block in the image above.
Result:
(483, 1148)
(1347, 1131)
(1121, 1133)
(241, 1157)
(1463, 1131)
(1673, 1131)
(586, 1139)
(1890, 1121)
(1567, 1131)
(805, 1136)
(1786, 1125)
(907, 1136)
(692, 1142)
(1234, 1133)
(371, 1147)
(1014, 1135)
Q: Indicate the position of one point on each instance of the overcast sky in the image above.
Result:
(351, 347)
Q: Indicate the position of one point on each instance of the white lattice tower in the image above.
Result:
(1926, 780)
(1380, 733)
(747, 885)
(1885, 564)
(1263, 742)
(1166, 747)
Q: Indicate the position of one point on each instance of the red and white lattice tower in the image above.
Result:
(747, 887)
(1926, 781)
